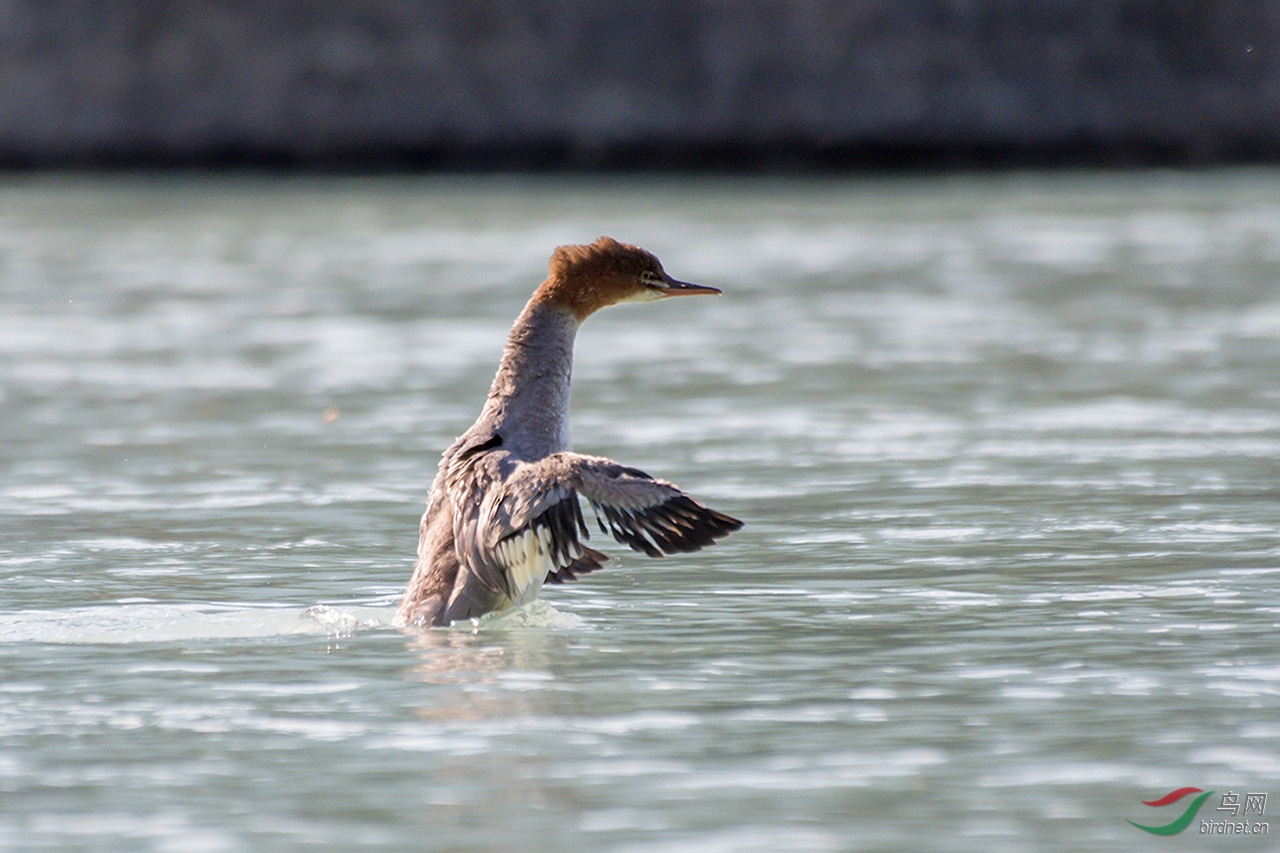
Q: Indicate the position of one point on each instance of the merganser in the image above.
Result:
(503, 515)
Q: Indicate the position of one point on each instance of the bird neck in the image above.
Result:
(528, 403)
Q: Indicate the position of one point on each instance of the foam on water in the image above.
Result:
(137, 622)
(537, 614)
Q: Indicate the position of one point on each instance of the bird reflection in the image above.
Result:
(488, 673)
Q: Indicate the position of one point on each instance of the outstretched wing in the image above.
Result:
(650, 515)
(530, 528)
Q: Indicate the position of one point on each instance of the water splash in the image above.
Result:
(535, 614)
(150, 622)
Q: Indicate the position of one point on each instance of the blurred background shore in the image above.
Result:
(772, 85)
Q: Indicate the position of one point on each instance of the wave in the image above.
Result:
(154, 622)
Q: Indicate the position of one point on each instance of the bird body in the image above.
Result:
(503, 515)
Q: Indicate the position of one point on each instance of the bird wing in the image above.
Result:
(648, 514)
(516, 525)
(530, 527)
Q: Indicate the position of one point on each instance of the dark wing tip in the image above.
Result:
(677, 525)
(590, 560)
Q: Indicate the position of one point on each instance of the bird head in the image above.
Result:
(587, 278)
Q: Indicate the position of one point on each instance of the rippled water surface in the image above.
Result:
(1007, 447)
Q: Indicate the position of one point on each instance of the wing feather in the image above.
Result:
(523, 523)
(647, 514)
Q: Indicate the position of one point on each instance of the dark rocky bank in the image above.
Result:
(772, 84)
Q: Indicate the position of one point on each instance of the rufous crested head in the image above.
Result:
(585, 279)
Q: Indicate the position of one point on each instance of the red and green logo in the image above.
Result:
(1182, 821)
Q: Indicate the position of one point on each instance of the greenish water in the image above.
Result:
(1007, 447)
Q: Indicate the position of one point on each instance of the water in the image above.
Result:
(1007, 448)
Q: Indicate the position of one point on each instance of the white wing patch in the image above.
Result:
(529, 528)
(527, 557)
